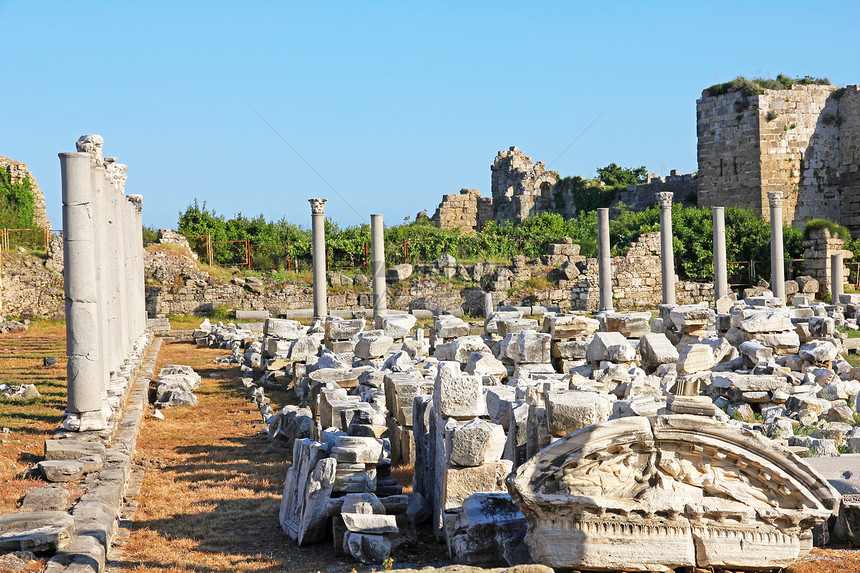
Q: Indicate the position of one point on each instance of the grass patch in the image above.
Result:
(31, 421)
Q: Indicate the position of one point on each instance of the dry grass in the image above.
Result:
(30, 422)
(212, 504)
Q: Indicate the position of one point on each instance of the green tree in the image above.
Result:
(615, 176)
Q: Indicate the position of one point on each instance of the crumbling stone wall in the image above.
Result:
(637, 280)
(467, 211)
(19, 171)
(521, 188)
(640, 197)
(802, 142)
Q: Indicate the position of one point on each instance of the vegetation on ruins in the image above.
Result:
(835, 229)
(589, 194)
(16, 202)
(757, 86)
(419, 242)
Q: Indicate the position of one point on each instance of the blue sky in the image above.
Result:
(393, 103)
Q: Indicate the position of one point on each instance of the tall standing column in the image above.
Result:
(103, 270)
(137, 248)
(836, 277)
(118, 222)
(604, 261)
(84, 369)
(667, 250)
(721, 276)
(377, 264)
(318, 231)
(777, 260)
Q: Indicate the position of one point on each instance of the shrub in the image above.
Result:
(836, 230)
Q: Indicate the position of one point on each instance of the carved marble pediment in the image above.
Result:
(648, 494)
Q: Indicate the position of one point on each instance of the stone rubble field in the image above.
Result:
(477, 417)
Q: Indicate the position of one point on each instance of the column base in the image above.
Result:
(85, 421)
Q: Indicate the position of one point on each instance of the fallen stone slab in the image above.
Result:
(71, 449)
(36, 531)
(48, 498)
(61, 470)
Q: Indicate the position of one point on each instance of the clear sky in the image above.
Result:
(393, 103)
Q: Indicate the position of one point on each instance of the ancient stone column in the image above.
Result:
(604, 261)
(139, 255)
(488, 304)
(777, 256)
(836, 279)
(318, 231)
(377, 264)
(667, 251)
(118, 234)
(84, 371)
(721, 280)
(104, 269)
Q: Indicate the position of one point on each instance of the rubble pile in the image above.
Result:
(467, 410)
(175, 386)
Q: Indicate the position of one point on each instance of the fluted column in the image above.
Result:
(604, 261)
(721, 280)
(667, 250)
(377, 264)
(319, 271)
(777, 257)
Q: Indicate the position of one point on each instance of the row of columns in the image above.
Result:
(667, 254)
(377, 260)
(103, 280)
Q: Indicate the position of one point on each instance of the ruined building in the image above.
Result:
(19, 172)
(803, 141)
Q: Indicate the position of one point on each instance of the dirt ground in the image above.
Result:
(211, 485)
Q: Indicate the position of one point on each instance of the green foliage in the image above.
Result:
(16, 202)
(757, 86)
(771, 115)
(836, 230)
(615, 176)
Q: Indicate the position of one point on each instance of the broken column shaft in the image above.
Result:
(777, 261)
(377, 264)
(667, 252)
(836, 277)
(319, 258)
(604, 261)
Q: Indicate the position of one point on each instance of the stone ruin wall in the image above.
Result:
(19, 171)
(801, 141)
(639, 197)
(521, 188)
(467, 211)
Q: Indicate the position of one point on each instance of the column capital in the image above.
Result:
(664, 199)
(136, 201)
(775, 198)
(317, 206)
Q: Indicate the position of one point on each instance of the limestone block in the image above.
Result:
(696, 358)
(460, 483)
(491, 326)
(515, 325)
(476, 443)
(398, 362)
(457, 395)
(690, 318)
(357, 450)
(569, 411)
(71, 449)
(339, 329)
(362, 522)
(307, 489)
(499, 401)
(755, 351)
(621, 353)
(396, 325)
(656, 349)
(282, 328)
(600, 343)
(776, 320)
(781, 343)
(447, 326)
(570, 350)
(36, 531)
(533, 347)
(749, 382)
(818, 351)
(368, 548)
(564, 327)
(372, 346)
(489, 531)
(631, 325)
(485, 364)
(399, 273)
(464, 346)
(61, 470)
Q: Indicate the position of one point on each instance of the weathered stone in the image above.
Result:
(563, 327)
(696, 358)
(476, 443)
(485, 364)
(818, 351)
(282, 328)
(399, 272)
(456, 394)
(372, 346)
(631, 325)
(61, 470)
(71, 449)
(464, 346)
(776, 320)
(533, 347)
(569, 411)
(396, 325)
(656, 349)
(597, 349)
(460, 483)
(35, 531)
(489, 530)
(368, 548)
